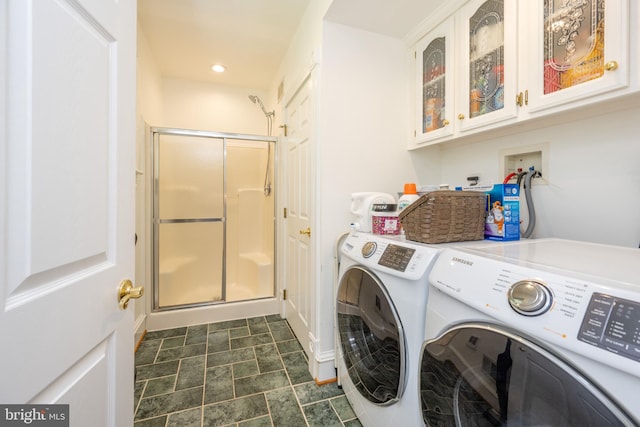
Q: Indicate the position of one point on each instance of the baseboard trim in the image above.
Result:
(140, 340)
(329, 381)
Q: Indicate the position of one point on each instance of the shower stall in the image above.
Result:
(213, 220)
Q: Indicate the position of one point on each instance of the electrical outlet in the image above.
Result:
(522, 159)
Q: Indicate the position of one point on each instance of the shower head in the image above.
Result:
(256, 100)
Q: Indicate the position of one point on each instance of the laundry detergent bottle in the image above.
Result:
(409, 195)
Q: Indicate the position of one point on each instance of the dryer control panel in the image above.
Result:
(589, 317)
(612, 324)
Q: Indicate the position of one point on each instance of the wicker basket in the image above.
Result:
(445, 216)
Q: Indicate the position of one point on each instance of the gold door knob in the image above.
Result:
(461, 116)
(126, 291)
(307, 232)
(611, 66)
(445, 122)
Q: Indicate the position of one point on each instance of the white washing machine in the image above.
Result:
(380, 308)
(533, 333)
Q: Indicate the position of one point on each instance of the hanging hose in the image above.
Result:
(508, 177)
(267, 174)
(527, 194)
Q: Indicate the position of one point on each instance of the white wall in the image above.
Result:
(362, 145)
(594, 180)
(213, 107)
(148, 110)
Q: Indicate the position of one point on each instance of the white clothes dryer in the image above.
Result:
(381, 302)
(532, 333)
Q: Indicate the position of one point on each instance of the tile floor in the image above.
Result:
(241, 373)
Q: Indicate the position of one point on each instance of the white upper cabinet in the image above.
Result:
(434, 56)
(575, 51)
(508, 61)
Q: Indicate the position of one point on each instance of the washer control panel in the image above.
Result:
(396, 257)
(391, 255)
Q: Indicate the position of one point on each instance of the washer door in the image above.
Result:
(371, 337)
(476, 376)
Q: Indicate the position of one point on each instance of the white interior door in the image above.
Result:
(299, 150)
(67, 155)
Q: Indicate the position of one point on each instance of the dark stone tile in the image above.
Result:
(162, 385)
(258, 325)
(273, 318)
(288, 346)
(321, 414)
(153, 422)
(284, 407)
(257, 422)
(281, 331)
(353, 423)
(137, 393)
(268, 358)
(196, 335)
(297, 367)
(188, 418)
(218, 341)
(260, 383)
(239, 332)
(157, 370)
(311, 392)
(167, 403)
(229, 357)
(229, 324)
(147, 352)
(219, 384)
(234, 411)
(343, 408)
(245, 369)
(181, 352)
(190, 373)
(172, 342)
(250, 341)
(165, 333)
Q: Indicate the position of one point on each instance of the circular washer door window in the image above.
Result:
(371, 337)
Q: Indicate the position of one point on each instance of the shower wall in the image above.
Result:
(250, 224)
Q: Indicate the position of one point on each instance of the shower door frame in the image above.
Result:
(155, 133)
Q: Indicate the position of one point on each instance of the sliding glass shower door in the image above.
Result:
(213, 218)
(190, 220)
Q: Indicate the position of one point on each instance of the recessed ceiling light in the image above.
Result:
(219, 68)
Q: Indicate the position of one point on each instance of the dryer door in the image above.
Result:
(371, 337)
(476, 376)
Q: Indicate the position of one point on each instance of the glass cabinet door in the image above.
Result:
(580, 50)
(490, 63)
(434, 78)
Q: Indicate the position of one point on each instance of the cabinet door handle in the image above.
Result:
(461, 116)
(519, 99)
(611, 66)
(526, 97)
(445, 122)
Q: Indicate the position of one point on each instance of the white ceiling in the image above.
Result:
(395, 18)
(250, 37)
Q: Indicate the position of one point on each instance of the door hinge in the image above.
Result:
(284, 295)
(285, 129)
(285, 212)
